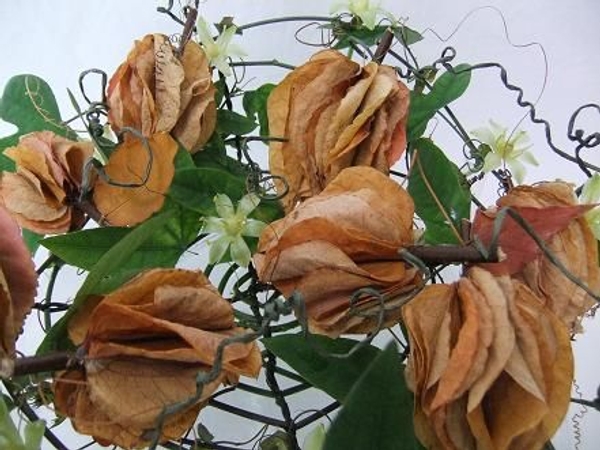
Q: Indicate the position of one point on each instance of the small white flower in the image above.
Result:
(506, 150)
(315, 439)
(366, 10)
(228, 229)
(218, 52)
(591, 194)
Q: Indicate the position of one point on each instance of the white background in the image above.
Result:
(57, 39)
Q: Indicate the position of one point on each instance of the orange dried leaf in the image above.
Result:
(334, 114)
(552, 210)
(156, 91)
(516, 244)
(339, 241)
(48, 176)
(18, 286)
(145, 345)
(125, 205)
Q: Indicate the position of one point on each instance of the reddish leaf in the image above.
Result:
(517, 246)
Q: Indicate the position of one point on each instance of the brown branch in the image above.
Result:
(46, 363)
(384, 46)
(448, 254)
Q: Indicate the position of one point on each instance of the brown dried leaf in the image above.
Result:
(155, 91)
(48, 174)
(124, 206)
(145, 344)
(334, 114)
(133, 393)
(18, 286)
(338, 242)
(554, 214)
(512, 387)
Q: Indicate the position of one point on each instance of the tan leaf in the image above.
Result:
(503, 342)
(328, 109)
(467, 358)
(574, 246)
(47, 180)
(123, 206)
(156, 91)
(133, 393)
(344, 239)
(18, 286)
(145, 344)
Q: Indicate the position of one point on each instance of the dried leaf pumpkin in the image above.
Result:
(491, 366)
(156, 90)
(145, 344)
(343, 239)
(552, 210)
(334, 114)
(48, 178)
(18, 285)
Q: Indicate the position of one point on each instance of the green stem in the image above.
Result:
(31, 415)
(276, 20)
(270, 62)
(48, 297)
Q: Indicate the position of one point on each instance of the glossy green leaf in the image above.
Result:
(277, 441)
(230, 122)
(84, 248)
(32, 240)
(447, 88)
(349, 34)
(440, 194)
(377, 413)
(255, 105)
(28, 103)
(196, 188)
(57, 337)
(309, 357)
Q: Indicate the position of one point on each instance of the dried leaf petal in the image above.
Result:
(48, 174)
(18, 286)
(334, 114)
(145, 344)
(338, 242)
(155, 91)
(123, 206)
(552, 211)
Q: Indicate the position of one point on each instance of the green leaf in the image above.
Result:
(229, 122)
(84, 248)
(439, 191)
(196, 188)
(447, 88)
(34, 433)
(407, 35)
(28, 103)
(335, 376)
(348, 34)
(57, 338)
(277, 441)
(255, 105)
(378, 410)
(32, 240)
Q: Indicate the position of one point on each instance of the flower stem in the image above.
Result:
(276, 20)
(266, 62)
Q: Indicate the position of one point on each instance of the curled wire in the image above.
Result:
(168, 11)
(327, 36)
(471, 152)
(577, 418)
(578, 135)
(94, 166)
(531, 110)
